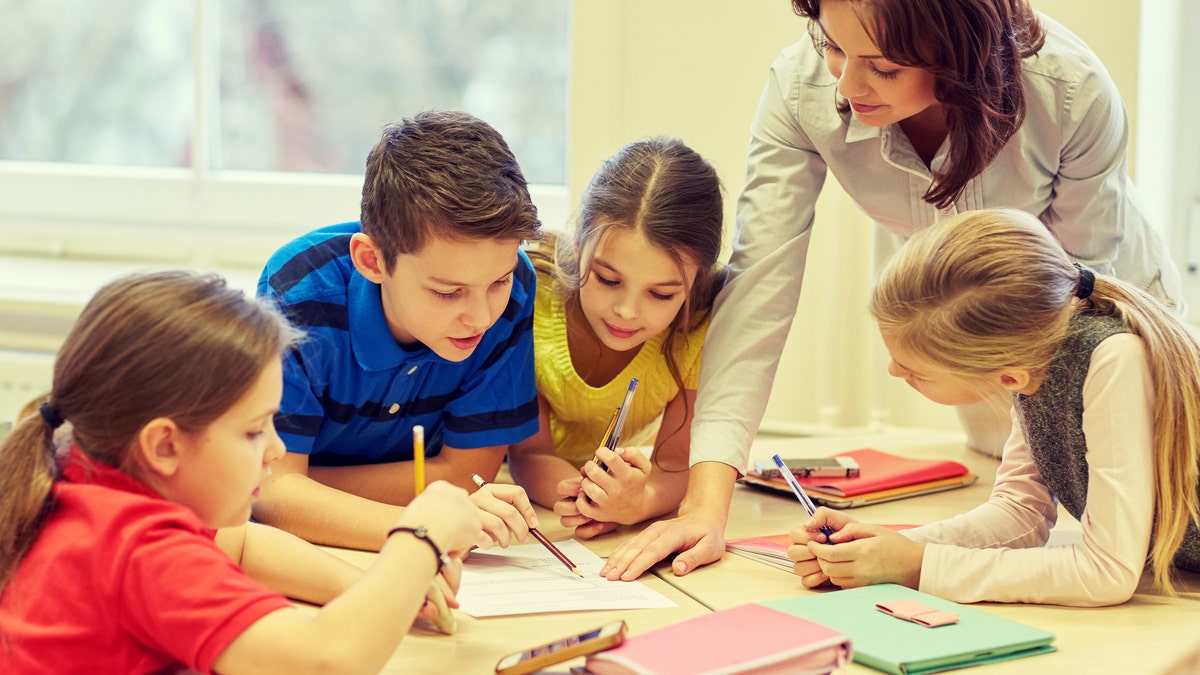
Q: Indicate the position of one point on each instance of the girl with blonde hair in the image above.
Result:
(1105, 387)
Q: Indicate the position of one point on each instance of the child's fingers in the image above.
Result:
(450, 580)
(595, 529)
(566, 507)
(574, 521)
(800, 553)
(607, 461)
(635, 459)
(510, 505)
(824, 515)
(568, 488)
(595, 497)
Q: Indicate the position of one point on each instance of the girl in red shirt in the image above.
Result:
(157, 431)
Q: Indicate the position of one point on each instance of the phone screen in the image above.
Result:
(816, 463)
(582, 644)
(561, 644)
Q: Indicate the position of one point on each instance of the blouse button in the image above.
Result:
(392, 410)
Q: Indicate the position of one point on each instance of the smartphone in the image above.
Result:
(812, 467)
(587, 642)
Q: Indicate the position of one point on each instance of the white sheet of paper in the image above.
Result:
(528, 579)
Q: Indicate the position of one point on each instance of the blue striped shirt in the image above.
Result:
(352, 394)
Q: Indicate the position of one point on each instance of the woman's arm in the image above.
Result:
(754, 312)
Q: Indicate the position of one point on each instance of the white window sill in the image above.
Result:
(41, 297)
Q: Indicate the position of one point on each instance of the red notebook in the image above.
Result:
(881, 471)
(748, 638)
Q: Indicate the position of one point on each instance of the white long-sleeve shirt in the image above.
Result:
(1066, 164)
(995, 552)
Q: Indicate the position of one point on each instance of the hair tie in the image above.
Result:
(1087, 281)
(50, 415)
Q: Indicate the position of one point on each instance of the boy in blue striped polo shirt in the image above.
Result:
(421, 314)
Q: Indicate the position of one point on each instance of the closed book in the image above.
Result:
(772, 549)
(901, 647)
(750, 638)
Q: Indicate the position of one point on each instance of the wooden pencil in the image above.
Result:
(562, 557)
(419, 459)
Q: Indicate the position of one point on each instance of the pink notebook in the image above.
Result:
(882, 471)
(749, 638)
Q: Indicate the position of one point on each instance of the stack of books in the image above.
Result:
(882, 477)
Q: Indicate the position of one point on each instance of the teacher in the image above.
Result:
(921, 109)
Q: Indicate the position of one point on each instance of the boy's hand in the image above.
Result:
(506, 513)
(617, 495)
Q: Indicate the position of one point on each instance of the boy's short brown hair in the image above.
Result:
(447, 174)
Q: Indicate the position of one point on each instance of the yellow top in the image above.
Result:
(579, 412)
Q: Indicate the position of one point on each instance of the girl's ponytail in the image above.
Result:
(27, 473)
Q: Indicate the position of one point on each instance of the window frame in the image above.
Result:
(192, 216)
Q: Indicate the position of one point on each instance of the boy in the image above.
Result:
(421, 314)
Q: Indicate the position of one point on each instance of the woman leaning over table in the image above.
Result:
(920, 110)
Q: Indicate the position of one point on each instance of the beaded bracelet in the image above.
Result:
(422, 533)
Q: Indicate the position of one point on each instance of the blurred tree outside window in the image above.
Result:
(297, 86)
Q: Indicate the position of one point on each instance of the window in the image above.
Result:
(226, 117)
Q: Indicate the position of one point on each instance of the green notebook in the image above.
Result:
(893, 645)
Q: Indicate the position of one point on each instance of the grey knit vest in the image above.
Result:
(1052, 419)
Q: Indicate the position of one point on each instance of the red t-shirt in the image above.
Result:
(123, 581)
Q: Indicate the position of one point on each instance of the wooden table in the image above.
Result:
(1149, 634)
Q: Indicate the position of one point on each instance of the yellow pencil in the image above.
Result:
(419, 458)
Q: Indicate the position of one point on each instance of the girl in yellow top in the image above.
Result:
(627, 294)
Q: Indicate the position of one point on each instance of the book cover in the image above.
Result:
(772, 549)
(901, 647)
(880, 470)
(837, 501)
(750, 638)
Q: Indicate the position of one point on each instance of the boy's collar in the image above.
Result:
(371, 340)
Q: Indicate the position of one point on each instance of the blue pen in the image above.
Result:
(613, 436)
(801, 495)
